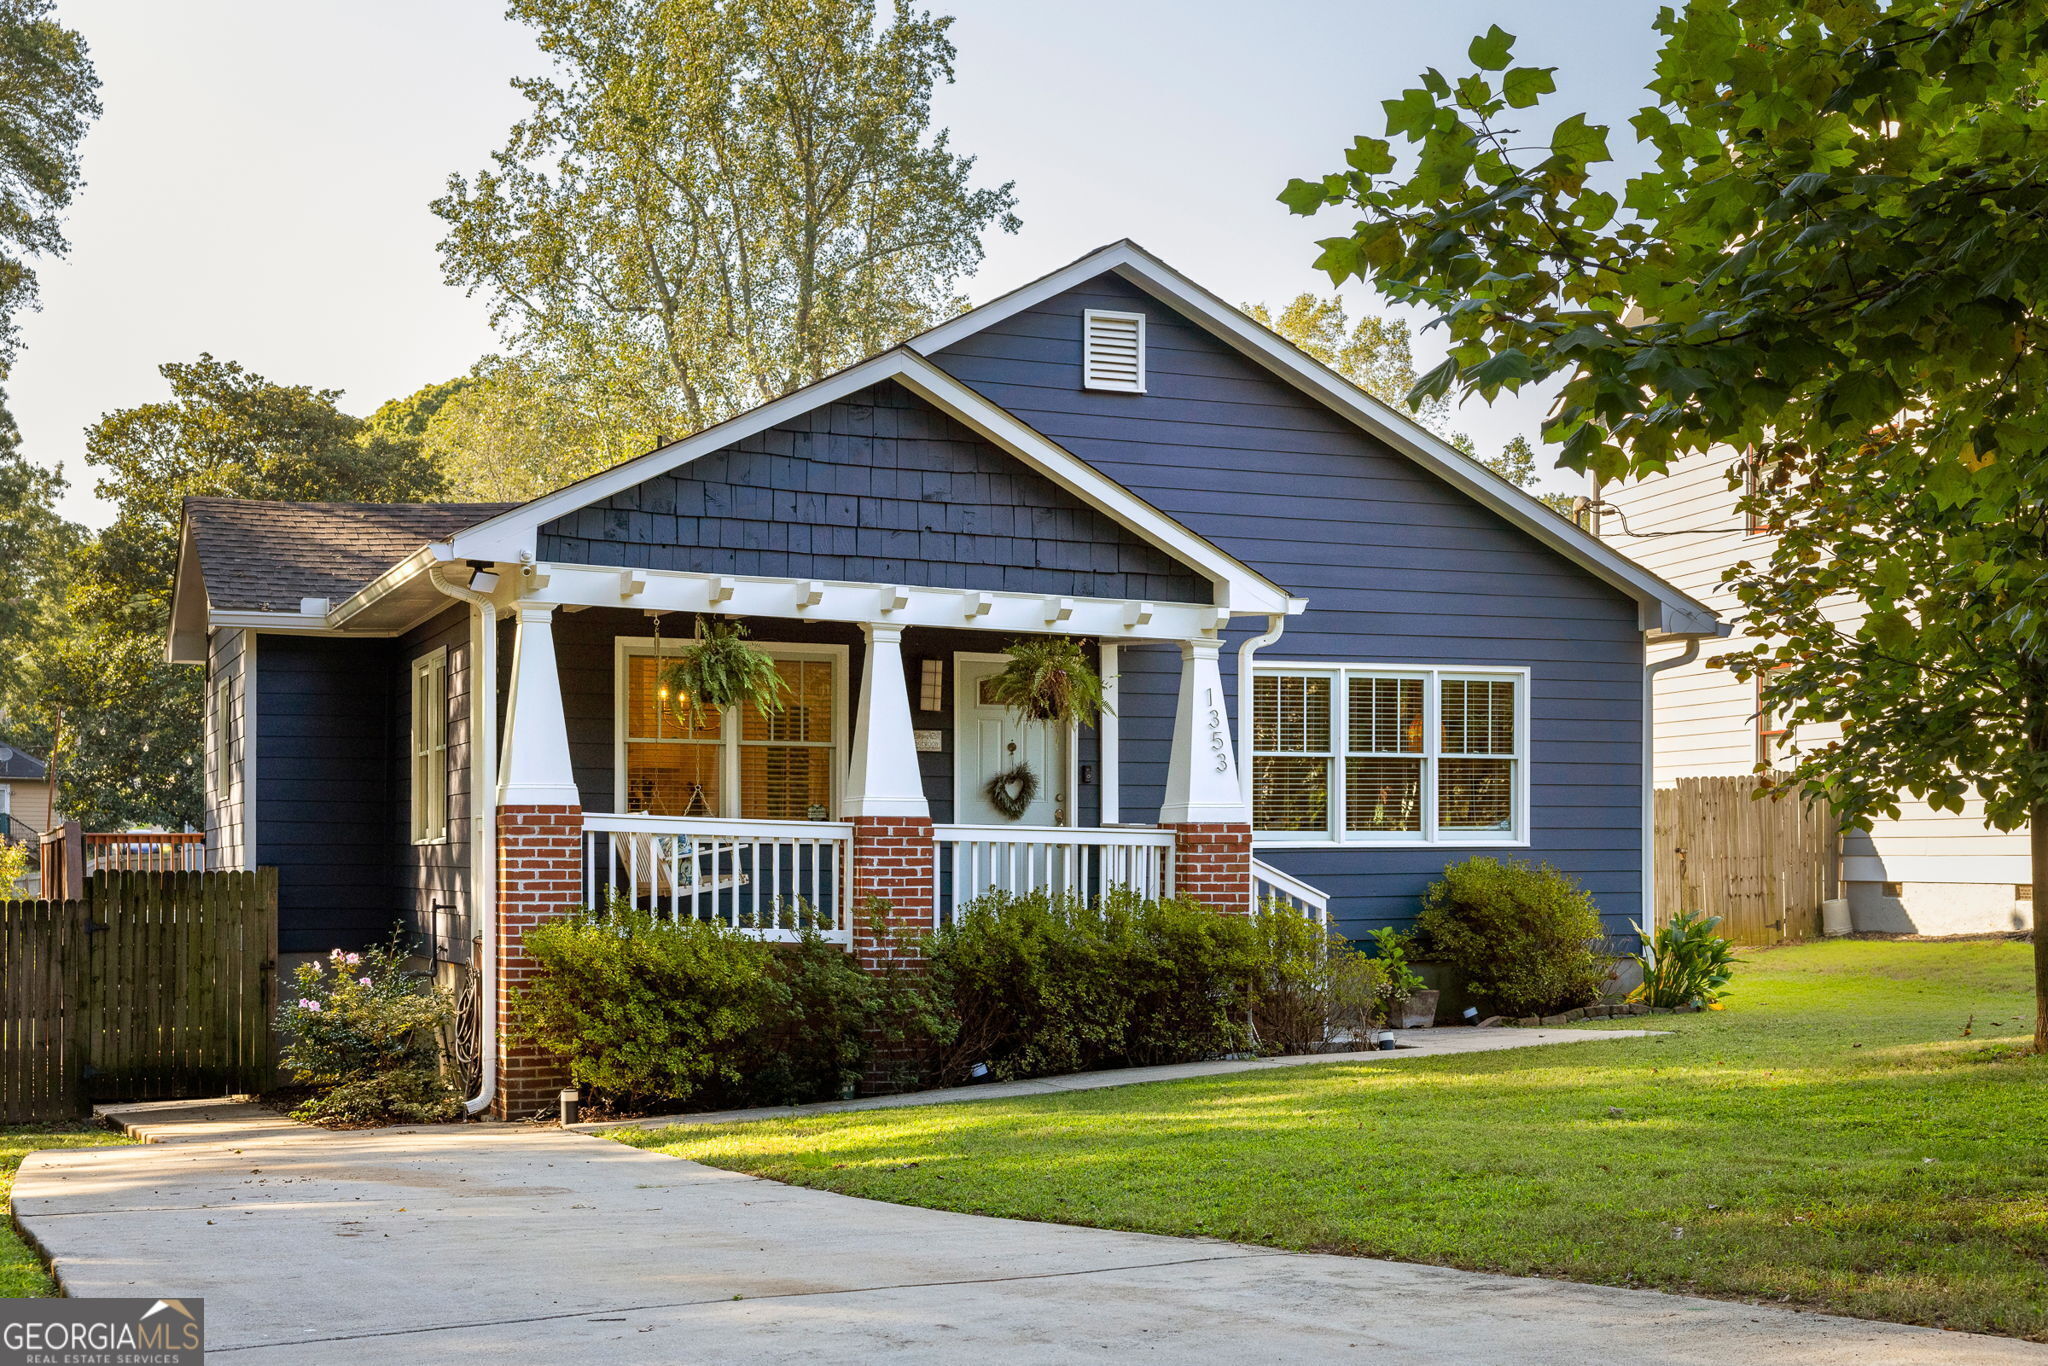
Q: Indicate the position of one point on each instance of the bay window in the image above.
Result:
(747, 763)
(1353, 754)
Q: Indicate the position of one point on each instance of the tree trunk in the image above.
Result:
(2037, 845)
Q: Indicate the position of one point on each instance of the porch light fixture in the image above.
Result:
(931, 685)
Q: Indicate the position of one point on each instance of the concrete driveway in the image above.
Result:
(497, 1243)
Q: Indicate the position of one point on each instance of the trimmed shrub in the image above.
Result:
(649, 1009)
(365, 1033)
(814, 1041)
(643, 1007)
(1187, 976)
(1524, 937)
(1310, 985)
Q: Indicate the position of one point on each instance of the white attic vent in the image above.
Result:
(1113, 351)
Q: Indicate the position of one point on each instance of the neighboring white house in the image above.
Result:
(1925, 873)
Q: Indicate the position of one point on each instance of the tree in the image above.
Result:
(515, 431)
(226, 432)
(1375, 355)
(1833, 262)
(128, 751)
(48, 97)
(713, 202)
(36, 543)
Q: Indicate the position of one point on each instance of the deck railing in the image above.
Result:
(145, 851)
(1270, 884)
(773, 879)
(977, 859)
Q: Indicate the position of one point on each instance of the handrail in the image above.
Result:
(640, 823)
(975, 860)
(1054, 834)
(1269, 882)
(768, 879)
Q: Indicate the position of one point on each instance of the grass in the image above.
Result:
(1861, 1131)
(22, 1274)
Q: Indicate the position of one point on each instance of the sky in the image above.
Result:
(258, 185)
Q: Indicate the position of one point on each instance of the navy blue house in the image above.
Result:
(1341, 654)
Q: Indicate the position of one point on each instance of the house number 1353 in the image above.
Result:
(1219, 746)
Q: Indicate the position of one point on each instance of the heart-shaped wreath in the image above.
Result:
(1012, 793)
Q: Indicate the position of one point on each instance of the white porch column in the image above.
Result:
(1201, 772)
(882, 778)
(533, 767)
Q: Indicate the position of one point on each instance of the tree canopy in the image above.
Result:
(713, 202)
(1832, 267)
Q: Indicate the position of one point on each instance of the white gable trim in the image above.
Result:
(1663, 608)
(515, 534)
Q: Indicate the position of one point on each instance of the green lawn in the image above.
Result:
(21, 1271)
(1832, 1139)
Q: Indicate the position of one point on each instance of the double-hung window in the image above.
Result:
(430, 748)
(750, 763)
(1351, 754)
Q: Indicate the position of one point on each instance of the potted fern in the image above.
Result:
(1049, 680)
(721, 669)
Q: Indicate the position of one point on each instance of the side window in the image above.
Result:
(430, 748)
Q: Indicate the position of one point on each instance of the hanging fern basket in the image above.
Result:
(1049, 680)
(721, 669)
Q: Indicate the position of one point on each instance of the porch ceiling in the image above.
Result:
(886, 604)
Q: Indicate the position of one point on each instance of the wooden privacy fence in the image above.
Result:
(1762, 865)
(152, 986)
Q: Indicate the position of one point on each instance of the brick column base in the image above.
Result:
(894, 859)
(1212, 864)
(540, 869)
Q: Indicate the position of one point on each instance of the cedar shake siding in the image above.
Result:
(1398, 567)
(879, 488)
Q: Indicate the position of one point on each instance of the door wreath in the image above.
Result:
(1012, 793)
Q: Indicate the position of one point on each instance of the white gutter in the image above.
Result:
(483, 795)
(1650, 672)
(1275, 623)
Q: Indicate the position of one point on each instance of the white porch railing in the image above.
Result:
(1270, 884)
(976, 859)
(769, 878)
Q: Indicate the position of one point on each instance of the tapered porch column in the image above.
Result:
(540, 845)
(894, 857)
(1205, 806)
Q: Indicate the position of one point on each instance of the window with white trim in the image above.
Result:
(430, 748)
(771, 765)
(1382, 755)
(222, 754)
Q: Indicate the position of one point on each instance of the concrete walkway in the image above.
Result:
(494, 1243)
(1415, 1043)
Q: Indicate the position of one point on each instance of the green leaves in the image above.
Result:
(1577, 141)
(1525, 85)
(1489, 51)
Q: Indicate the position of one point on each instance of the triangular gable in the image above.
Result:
(1662, 608)
(877, 487)
(1234, 585)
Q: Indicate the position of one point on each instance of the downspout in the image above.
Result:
(483, 791)
(1275, 623)
(1650, 672)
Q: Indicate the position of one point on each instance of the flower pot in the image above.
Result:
(1419, 1010)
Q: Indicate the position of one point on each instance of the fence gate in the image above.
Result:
(1762, 865)
(152, 986)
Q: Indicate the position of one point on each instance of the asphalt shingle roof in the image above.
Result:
(264, 556)
(19, 767)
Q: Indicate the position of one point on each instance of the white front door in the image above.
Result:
(990, 741)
